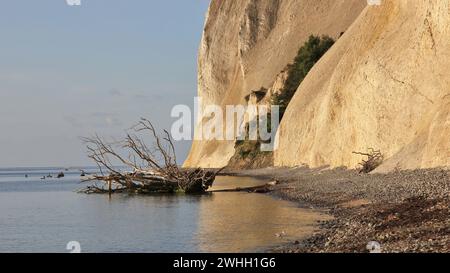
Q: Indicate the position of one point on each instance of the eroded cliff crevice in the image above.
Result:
(247, 43)
(260, 18)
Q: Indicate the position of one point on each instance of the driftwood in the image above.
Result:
(256, 189)
(374, 159)
(155, 168)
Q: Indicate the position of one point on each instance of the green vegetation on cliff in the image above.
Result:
(247, 152)
(308, 55)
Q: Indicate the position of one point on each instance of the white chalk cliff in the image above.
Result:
(385, 84)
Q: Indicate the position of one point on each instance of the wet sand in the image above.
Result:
(403, 211)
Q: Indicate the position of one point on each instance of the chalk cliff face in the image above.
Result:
(385, 85)
(247, 43)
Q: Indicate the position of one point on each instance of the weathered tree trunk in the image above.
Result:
(157, 173)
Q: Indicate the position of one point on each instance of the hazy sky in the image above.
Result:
(67, 72)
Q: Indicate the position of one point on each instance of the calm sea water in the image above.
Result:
(44, 215)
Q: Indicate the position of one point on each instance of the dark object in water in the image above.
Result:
(83, 173)
(49, 176)
(43, 178)
(195, 182)
(60, 175)
(26, 176)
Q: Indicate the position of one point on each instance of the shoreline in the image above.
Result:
(403, 211)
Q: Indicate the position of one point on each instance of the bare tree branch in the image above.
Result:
(374, 159)
(159, 171)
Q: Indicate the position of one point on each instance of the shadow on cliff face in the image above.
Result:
(248, 154)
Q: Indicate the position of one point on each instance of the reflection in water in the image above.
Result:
(240, 222)
(37, 216)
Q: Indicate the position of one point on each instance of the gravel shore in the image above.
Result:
(403, 211)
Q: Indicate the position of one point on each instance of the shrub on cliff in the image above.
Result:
(308, 55)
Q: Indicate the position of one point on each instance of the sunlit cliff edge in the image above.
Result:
(385, 84)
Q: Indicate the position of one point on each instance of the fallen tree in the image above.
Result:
(154, 168)
(374, 159)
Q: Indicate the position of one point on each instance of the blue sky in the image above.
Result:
(67, 72)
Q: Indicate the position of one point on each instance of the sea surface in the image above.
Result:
(44, 215)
